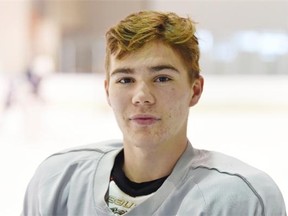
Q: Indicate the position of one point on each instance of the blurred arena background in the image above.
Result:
(52, 72)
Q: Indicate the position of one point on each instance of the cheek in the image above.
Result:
(177, 99)
(118, 101)
(113, 99)
(177, 106)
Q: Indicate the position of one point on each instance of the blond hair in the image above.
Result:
(140, 28)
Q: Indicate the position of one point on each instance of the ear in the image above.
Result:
(106, 85)
(197, 88)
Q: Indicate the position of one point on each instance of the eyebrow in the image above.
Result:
(122, 71)
(156, 68)
(163, 67)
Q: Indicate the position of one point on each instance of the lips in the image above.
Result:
(144, 119)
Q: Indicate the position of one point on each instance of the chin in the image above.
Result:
(144, 140)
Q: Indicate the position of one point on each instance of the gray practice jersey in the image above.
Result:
(75, 183)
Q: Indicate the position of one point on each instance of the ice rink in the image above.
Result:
(244, 116)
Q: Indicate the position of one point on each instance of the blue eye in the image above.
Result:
(162, 79)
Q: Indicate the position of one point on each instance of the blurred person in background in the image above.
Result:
(34, 80)
(28, 87)
(41, 67)
(152, 80)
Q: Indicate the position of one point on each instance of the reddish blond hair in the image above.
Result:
(137, 29)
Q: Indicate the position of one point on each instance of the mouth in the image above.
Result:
(144, 119)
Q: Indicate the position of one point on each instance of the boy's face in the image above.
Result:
(150, 94)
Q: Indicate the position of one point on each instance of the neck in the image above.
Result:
(142, 165)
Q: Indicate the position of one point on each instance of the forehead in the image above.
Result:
(152, 54)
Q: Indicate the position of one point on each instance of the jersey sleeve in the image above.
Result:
(48, 187)
(31, 201)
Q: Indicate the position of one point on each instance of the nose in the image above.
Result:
(143, 95)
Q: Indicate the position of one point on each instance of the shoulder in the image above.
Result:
(65, 159)
(225, 179)
(49, 187)
(88, 151)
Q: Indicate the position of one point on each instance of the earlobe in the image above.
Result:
(197, 88)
